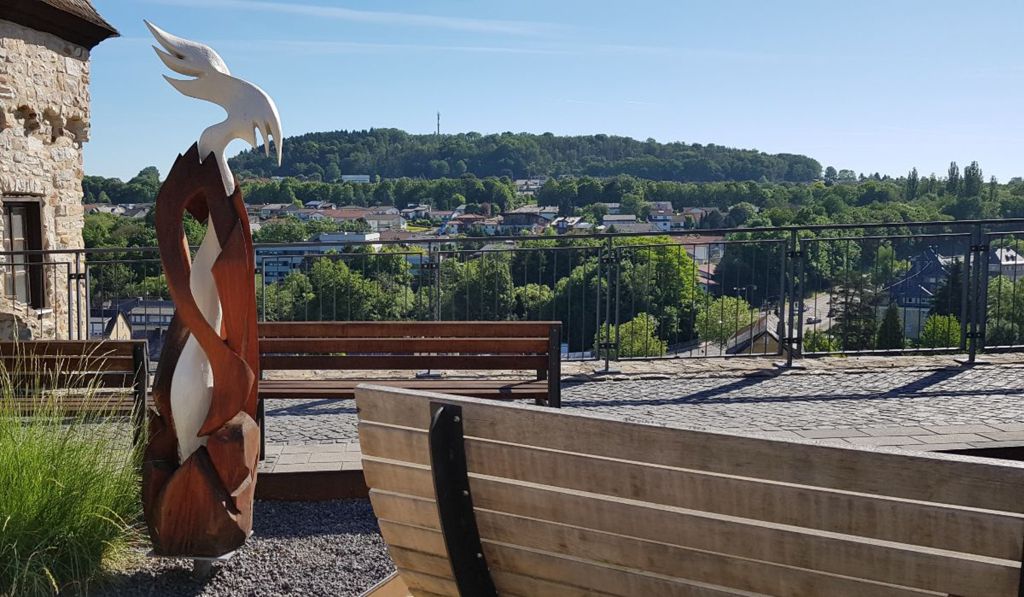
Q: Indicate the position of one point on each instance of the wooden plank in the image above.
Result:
(409, 362)
(63, 379)
(66, 363)
(392, 586)
(69, 347)
(344, 389)
(405, 329)
(941, 478)
(424, 584)
(428, 563)
(954, 528)
(405, 345)
(526, 572)
(746, 573)
(748, 539)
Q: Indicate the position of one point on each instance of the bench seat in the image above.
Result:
(345, 388)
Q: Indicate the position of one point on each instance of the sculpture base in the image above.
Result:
(202, 566)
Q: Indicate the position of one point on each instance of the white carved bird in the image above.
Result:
(248, 109)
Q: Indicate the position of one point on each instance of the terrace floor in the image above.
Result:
(914, 403)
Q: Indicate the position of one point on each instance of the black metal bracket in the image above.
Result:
(428, 265)
(795, 254)
(979, 248)
(607, 345)
(610, 259)
(455, 504)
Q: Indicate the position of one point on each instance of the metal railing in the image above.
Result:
(897, 288)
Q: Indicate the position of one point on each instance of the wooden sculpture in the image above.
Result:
(199, 474)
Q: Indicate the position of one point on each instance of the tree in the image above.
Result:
(855, 323)
(973, 180)
(637, 338)
(1001, 332)
(480, 289)
(285, 300)
(332, 172)
(940, 331)
(953, 180)
(634, 203)
(532, 301)
(887, 267)
(890, 332)
(720, 319)
(282, 230)
(948, 298)
(740, 214)
(910, 189)
(660, 279)
(831, 176)
(819, 341)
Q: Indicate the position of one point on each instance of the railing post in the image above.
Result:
(435, 264)
(801, 256)
(781, 330)
(795, 297)
(609, 258)
(978, 308)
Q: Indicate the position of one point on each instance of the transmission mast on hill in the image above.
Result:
(438, 124)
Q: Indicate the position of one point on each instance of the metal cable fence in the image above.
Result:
(787, 292)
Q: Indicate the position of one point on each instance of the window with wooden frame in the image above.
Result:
(23, 231)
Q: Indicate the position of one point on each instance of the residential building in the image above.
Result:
(661, 218)
(618, 219)
(356, 178)
(416, 212)
(567, 224)
(385, 221)
(275, 263)
(703, 248)
(1006, 261)
(462, 223)
(612, 209)
(761, 337)
(522, 220)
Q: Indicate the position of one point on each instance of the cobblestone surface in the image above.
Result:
(991, 397)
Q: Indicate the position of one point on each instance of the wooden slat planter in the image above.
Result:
(569, 504)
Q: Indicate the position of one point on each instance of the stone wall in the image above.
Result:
(44, 120)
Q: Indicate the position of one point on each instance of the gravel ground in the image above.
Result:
(298, 548)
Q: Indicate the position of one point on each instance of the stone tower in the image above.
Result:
(44, 121)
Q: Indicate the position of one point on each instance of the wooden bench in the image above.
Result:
(558, 503)
(108, 376)
(414, 345)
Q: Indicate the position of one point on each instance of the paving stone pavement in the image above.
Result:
(939, 409)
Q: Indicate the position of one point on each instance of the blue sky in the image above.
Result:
(866, 85)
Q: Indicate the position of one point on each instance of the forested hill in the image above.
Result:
(391, 153)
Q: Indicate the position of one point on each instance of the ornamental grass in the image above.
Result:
(69, 482)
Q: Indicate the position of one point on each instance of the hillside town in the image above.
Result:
(422, 220)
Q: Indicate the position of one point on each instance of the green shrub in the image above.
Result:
(69, 493)
(818, 341)
(638, 337)
(940, 331)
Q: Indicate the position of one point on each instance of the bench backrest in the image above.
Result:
(396, 345)
(570, 504)
(101, 363)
